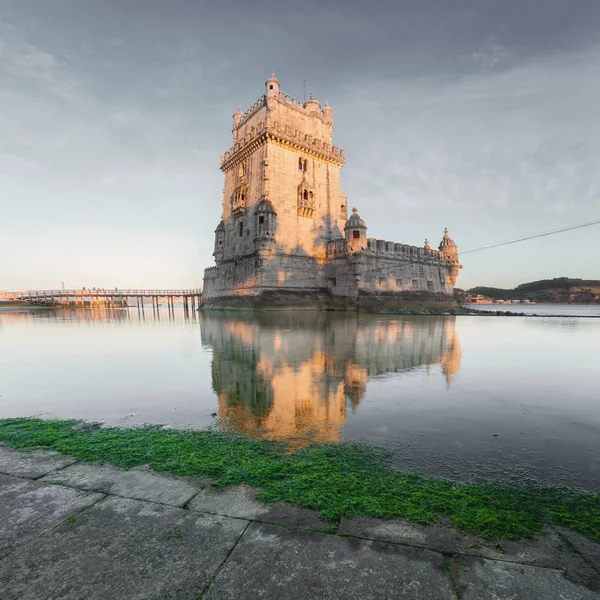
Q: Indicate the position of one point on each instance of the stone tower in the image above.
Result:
(282, 201)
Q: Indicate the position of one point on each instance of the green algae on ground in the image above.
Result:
(338, 480)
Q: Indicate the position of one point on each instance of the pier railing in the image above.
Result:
(103, 297)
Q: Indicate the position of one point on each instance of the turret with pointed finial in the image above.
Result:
(356, 232)
(448, 248)
(449, 251)
(237, 116)
(427, 246)
(272, 86)
(312, 105)
(327, 113)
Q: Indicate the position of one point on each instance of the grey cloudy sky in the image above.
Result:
(479, 115)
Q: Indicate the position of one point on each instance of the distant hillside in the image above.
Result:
(559, 289)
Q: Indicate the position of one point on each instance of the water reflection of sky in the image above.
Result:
(466, 397)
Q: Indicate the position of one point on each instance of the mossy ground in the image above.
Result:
(338, 480)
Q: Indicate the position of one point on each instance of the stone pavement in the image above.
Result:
(72, 530)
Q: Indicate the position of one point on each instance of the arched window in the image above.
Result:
(305, 195)
(305, 165)
(300, 164)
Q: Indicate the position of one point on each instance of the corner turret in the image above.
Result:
(272, 86)
(449, 251)
(237, 117)
(312, 105)
(219, 243)
(356, 232)
(327, 113)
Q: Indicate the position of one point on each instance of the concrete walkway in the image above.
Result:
(72, 530)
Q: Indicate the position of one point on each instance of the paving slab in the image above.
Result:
(291, 564)
(588, 549)
(483, 579)
(141, 484)
(29, 507)
(241, 502)
(399, 531)
(121, 548)
(32, 465)
(547, 550)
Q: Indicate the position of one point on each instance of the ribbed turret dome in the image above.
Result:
(355, 222)
(312, 104)
(447, 244)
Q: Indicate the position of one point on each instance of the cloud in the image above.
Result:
(491, 55)
(517, 139)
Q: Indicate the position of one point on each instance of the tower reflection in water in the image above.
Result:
(293, 377)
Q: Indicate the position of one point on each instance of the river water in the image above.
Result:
(465, 398)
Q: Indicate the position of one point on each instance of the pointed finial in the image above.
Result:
(326, 103)
(445, 231)
(427, 246)
(354, 210)
(312, 96)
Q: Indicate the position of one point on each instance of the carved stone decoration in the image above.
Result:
(306, 200)
(238, 201)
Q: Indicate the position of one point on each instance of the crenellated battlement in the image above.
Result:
(284, 135)
(262, 101)
(304, 107)
(309, 130)
(381, 248)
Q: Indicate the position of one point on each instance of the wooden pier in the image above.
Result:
(190, 299)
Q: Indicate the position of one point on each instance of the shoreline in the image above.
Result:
(345, 480)
(464, 312)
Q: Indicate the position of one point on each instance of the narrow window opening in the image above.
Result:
(333, 281)
(305, 195)
(305, 165)
(343, 207)
(271, 87)
(300, 164)
(241, 229)
(261, 219)
(356, 235)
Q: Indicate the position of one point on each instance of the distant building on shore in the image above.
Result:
(285, 237)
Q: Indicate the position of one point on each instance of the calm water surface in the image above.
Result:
(458, 397)
(564, 310)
